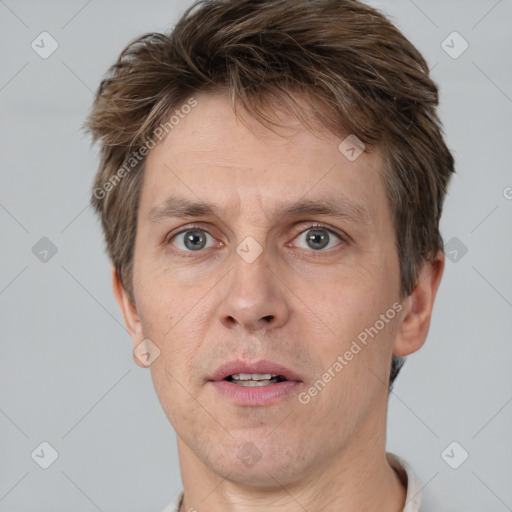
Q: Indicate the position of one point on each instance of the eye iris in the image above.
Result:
(318, 238)
(195, 240)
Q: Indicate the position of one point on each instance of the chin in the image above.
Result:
(243, 463)
(263, 477)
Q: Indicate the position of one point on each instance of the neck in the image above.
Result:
(360, 478)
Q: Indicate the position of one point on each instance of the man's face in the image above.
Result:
(206, 296)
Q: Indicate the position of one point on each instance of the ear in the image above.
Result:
(129, 311)
(418, 306)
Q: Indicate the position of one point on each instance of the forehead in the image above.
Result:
(212, 155)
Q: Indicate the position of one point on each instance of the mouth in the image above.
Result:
(256, 383)
(255, 373)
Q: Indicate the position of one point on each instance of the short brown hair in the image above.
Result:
(361, 75)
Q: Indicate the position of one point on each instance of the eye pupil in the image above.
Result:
(318, 238)
(195, 239)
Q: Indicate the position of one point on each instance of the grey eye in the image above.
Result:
(191, 240)
(318, 238)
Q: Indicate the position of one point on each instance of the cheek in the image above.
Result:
(347, 301)
(160, 311)
(363, 322)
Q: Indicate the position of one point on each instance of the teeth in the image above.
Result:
(253, 383)
(255, 379)
(253, 376)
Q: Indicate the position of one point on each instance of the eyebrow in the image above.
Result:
(339, 207)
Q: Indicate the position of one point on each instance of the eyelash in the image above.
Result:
(170, 237)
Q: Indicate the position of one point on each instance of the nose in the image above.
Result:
(253, 297)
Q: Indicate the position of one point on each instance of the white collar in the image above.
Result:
(409, 479)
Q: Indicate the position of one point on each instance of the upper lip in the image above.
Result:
(261, 367)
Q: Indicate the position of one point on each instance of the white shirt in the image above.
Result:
(404, 471)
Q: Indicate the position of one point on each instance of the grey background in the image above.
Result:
(66, 371)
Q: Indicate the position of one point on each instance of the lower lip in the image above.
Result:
(255, 395)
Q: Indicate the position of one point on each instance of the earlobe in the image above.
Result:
(418, 307)
(129, 312)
